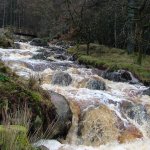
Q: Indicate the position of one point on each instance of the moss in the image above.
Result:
(104, 57)
(36, 96)
(14, 137)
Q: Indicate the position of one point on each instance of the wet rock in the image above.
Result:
(74, 57)
(38, 42)
(17, 45)
(130, 135)
(44, 54)
(47, 145)
(119, 76)
(98, 126)
(64, 44)
(61, 57)
(57, 50)
(39, 66)
(137, 112)
(97, 71)
(23, 40)
(147, 92)
(64, 113)
(96, 85)
(61, 78)
(42, 147)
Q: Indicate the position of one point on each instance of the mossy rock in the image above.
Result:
(14, 137)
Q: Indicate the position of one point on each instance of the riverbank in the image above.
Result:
(23, 105)
(103, 57)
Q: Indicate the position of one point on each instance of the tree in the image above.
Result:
(140, 28)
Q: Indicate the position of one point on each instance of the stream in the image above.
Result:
(106, 114)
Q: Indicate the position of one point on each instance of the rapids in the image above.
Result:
(121, 103)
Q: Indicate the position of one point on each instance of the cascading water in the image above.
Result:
(105, 113)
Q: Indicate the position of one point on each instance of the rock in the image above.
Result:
(58, 50)
(44, 54)
(38, 42)
(42, 147)
(137, 112)
(125, 75)
(119, 76)
(147, 92)
(98, 126)
(17, 45)
(48, 145)
(96, 85)
(61, 78)
(130, 135)
(23, 40)
(74, 57)
(64, 114)
(59, 56)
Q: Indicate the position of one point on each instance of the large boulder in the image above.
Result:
(98, 126)
(61, 78)
(96, 85)
(38, 42)
(64, 113)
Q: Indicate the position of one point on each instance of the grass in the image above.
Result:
(14, 137)
(104, 57)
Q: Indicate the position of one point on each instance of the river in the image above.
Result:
(116, 118)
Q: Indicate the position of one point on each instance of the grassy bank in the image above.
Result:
(22, 104)
(103, 57)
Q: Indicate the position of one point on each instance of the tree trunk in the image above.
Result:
(4, 14)
(88, 48)
(115, 30)
(131, 26)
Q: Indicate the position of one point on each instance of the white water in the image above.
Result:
(19, 61)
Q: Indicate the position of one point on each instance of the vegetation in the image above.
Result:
(23, 110)
(104, 57)
(14, 137)
(6, 38)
